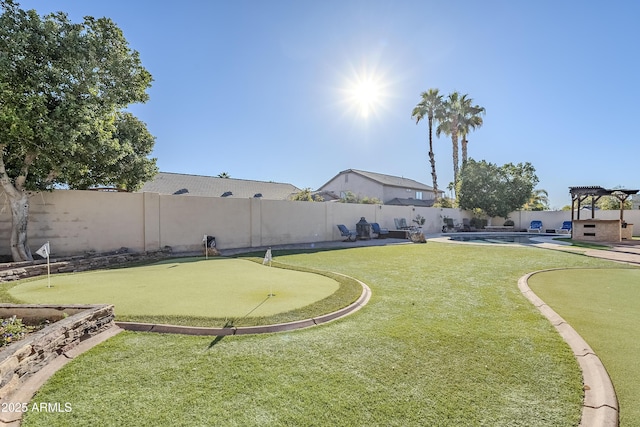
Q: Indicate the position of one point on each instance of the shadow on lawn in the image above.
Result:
(229, 323)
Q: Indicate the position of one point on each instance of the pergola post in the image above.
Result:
(579, 194)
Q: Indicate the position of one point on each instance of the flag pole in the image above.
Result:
(206, 249)
(44, 251)
(267, 260)
(48, 269)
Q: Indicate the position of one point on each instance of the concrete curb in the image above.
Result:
(600, 406)
(279, 327)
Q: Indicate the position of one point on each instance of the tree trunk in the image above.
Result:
(454, 142)
(464, 148)
(432, 160)
(19, 202)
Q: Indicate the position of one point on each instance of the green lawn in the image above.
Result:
(189, 290)
(603, 306)
(446, 340)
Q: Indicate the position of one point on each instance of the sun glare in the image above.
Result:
(364, 93)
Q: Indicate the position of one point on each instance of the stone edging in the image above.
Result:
(21, 270)
(26, 364)
(600, 404)
(279, 327)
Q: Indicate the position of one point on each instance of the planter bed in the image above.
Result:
(73, 324)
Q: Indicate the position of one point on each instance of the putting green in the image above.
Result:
(217, 287)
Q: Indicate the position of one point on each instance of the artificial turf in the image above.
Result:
(185, 287)
(603, 306)
(446, 340)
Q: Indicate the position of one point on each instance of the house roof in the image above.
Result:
(327, 196)
(210, 186)
(410, 202)
(389, 180)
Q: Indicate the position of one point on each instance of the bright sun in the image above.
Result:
(364, 93)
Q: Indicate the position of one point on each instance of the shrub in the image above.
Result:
(478, 223)
(11, 330)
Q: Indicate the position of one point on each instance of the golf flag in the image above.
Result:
(44, 251)
(267, 257)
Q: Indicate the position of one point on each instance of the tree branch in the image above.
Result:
(29, 158)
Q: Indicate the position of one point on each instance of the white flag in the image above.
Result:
(44, 251)
(204, 239)
(267, 257)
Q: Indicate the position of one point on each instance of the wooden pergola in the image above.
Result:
(579, 194)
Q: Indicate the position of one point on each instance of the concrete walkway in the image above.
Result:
(626, 252)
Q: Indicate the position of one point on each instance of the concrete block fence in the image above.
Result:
(76, 222)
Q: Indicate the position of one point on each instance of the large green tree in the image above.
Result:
(613, 203)
(496, 190)
(64, 88)
(429, 106)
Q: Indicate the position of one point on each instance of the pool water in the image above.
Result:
(492, 239)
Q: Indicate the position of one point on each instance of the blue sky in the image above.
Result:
(264, 90)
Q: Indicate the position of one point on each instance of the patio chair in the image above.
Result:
(535, 227)
(450, 226)
(345, 232)
(375, 227)
(401, 223)
(565, 229)
(466, 225)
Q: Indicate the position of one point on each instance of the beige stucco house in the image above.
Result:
(392, 190)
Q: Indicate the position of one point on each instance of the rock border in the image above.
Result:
(13, 271)
(26, 364)
(600, 405)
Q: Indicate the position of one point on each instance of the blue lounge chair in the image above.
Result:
(535, 227)
(379, 231)
(565, 229)
(345, 232)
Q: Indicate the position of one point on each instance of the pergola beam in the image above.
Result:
(579, 194)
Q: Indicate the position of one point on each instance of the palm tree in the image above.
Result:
(471, 119)
(449, 122)
(539, 201)
(224, 175)
(458, 117)
(429, 107)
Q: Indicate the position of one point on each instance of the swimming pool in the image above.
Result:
(489, 238)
